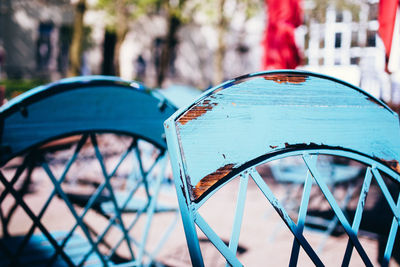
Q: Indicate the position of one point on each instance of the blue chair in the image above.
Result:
(86, 137)
(341, 175)
(234, 128)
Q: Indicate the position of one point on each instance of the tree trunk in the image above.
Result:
(75, 52)
(121, 30)
(220, 53)
(169, 46)
(108, 53)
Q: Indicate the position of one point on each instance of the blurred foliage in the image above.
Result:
(220, 14)
(16, 87)
(136, 9)
(184, 10)
(66, 36)
(319, 7)
(231, 8)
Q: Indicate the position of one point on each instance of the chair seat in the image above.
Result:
(39, 250)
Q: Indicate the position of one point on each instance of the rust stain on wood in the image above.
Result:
(208, 181)
(392, 164)
(287, 78)
(196, 111)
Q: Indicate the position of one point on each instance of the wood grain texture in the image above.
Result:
(273, 112)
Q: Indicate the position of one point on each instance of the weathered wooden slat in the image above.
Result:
(262, 117)
(290, 111)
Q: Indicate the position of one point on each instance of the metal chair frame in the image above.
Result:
(205, 156)
(138, 113)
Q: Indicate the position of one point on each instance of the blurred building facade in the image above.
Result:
(35, 35)
(347, 46)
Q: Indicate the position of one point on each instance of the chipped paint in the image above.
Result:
(182, 186)
(392, 164)
(287, 78)
(208, 181)
(196, 111)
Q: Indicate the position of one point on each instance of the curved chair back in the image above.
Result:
(256, 118)
(91, 103)
(39, 120)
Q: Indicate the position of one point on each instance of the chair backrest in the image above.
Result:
(86, 108)
(91, 103)
(256, 118)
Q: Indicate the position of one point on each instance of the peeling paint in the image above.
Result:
(287, 145)
(303, 145)
(196, 111)
(287, 78)
(182, 185)
(392, 164)
(208, 181)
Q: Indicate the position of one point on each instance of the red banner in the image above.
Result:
(387, 15)
(387, 18)
(280, 50)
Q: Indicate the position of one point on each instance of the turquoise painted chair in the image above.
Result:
(339, 177)
(98, 143)
(230, 131)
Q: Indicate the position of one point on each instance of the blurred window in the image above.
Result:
(371, 38)
(339, 16)
(373, 12)
(338, 40)
(43, 45)
(354, 39)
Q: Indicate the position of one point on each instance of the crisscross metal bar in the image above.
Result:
(134, 221)
(17, 175)
(390, 242)
(285, 216)
(338, 212)
(358, 214)
(164, 237)
(112, 219)
(334, 221)
(395, 208)
(25, 207)
(240, 203)
(138, 213)
(396, 213)
(102, 186)
(159, 157)
(86, 209)
(302, 214)
(142, 172)
(72, 210)
(216, 241)
(152, 207)
(111, 223)
(111, 191)
(53, 193)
